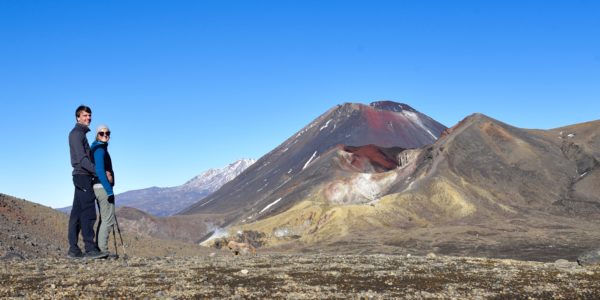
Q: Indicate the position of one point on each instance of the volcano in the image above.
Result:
(268, 186)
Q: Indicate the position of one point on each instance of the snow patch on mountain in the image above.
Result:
(309, 160)
(213, 179)
(417, 120)
(268, 206)
(326, 124)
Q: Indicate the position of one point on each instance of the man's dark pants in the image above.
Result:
(83, 214)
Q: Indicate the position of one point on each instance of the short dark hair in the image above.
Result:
(81, 108)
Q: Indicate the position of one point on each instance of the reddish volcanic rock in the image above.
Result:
(390, 124)
(380, 159)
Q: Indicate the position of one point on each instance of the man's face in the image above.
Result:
(84, 118)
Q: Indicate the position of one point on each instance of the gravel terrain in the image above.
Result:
(278, 276)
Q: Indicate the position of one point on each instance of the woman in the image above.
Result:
(104, 189)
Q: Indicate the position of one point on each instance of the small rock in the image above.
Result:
(431, 255)
(589, 258)
(12, 256)
(244, 271)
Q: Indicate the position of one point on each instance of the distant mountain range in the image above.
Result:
(170, 200)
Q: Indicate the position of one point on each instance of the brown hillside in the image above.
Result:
(30, 230)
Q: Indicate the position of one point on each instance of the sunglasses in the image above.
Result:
(102, 133)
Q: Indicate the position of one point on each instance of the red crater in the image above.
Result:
(382, 160)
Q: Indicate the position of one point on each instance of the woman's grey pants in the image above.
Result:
(107, 217)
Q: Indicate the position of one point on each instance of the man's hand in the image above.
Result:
(111, 199)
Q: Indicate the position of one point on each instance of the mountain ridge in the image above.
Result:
(482, 176)
(169, 201)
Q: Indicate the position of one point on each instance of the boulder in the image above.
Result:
(589, 258)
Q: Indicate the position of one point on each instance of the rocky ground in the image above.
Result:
(33, 266)
(279, 276)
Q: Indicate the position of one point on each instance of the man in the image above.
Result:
(83, 212)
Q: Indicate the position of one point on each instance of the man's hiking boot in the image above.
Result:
(75, 254)
(95, 254)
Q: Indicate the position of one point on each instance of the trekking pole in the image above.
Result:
(121, 237)
(115, 240)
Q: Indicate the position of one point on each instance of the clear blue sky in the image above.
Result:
(191, 85)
